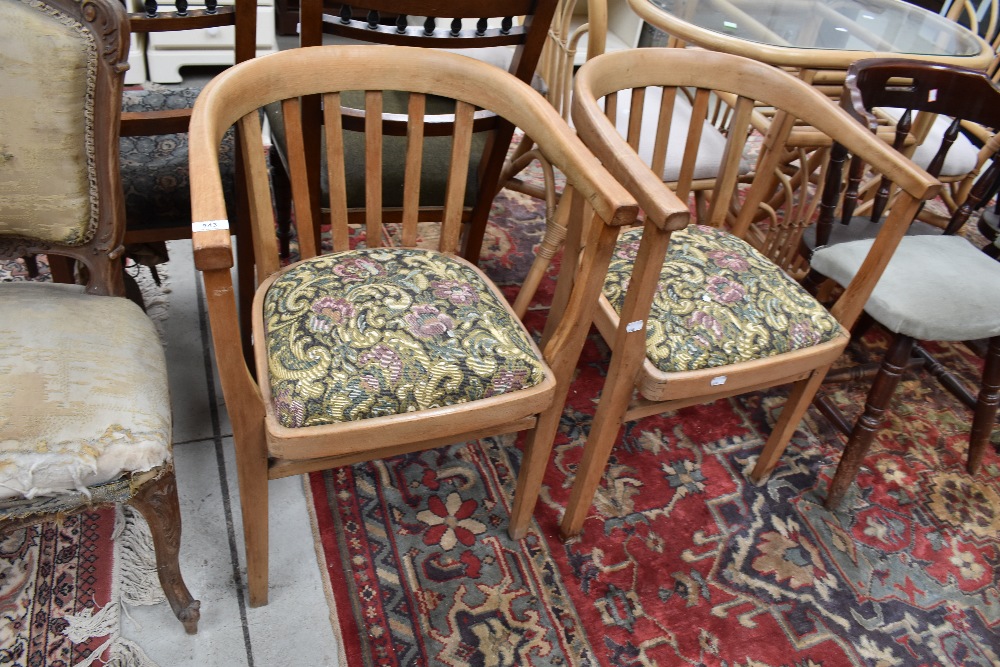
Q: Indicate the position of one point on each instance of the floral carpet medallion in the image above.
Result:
(683, 560)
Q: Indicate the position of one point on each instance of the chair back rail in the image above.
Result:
(921, 91)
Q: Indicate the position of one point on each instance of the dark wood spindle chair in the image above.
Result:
(154, 145)
(937, 285)
(514, 45)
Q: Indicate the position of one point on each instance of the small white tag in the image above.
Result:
(632, 327)
(729, 25)
(932, 95)
(718, 381)
(209, 225)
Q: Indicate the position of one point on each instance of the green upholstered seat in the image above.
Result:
(719, 302)
(385, 331)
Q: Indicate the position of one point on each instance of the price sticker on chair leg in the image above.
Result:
(632, 327)
(209, 225)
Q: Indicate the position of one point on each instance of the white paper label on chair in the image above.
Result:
(632, 327)
(932, 95)
(209, 225)
(718, 381)
(729, 25)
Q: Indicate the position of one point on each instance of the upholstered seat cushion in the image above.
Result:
(84, 392)
(155, 168)
(934, 288)
(719, 302)
(861, 227)
(385, 331)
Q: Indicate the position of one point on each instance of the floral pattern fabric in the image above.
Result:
(719, 302)
(383, 331)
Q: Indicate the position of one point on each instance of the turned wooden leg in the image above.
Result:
(157, 501)
(869, 423)
(798, 402)
(985, 415)
(282, 202)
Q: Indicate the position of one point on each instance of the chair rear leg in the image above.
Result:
(251, 469)
(984, 418)
(157, 501)
(871, 420)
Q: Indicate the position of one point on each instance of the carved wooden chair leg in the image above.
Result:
(282, 202)
(984, 418)
(31, 264)
(869, 423)
(61, 268)
(157, 501)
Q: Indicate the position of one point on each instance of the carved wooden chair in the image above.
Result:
(693, 313)
(368, 353)
(505, 33)
(936, 286)
(84, 408)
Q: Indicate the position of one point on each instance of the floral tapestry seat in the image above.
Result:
(385, 331)
(719, 302)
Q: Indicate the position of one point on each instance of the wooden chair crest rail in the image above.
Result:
(936, 286)
(382, 350)
(694, 313)
(508, 34)
(85, 411)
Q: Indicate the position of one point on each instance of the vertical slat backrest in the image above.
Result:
(336, 171)
(458, 174)
(265, 244)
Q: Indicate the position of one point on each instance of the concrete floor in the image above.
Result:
(295, 627)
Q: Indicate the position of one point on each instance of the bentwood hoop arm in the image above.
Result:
(278, 429)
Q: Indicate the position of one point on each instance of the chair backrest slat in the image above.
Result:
(662, 142)
(336, 171)
(297, 172)
(739, 128)
(261, 210)
(458, 175)
(416, 107)
(373, 167)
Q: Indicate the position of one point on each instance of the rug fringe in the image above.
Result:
(134, 583)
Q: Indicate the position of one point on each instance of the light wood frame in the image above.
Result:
(265, 451)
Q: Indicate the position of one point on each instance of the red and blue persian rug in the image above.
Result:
(683, 560)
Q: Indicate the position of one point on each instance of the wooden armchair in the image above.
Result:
(936, 286)
(84, 407)
(507, 34)
(376, 351)
(693, 313)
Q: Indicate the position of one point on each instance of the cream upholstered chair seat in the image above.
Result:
(84, 396)
(925, 291)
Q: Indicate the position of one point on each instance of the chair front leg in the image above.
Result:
(871, 420)
(157, 502)
(987, 404)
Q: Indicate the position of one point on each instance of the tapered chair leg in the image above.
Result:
(795, 408)
(157, 502)
(984, 418)
(871, 420)
(601, 440)
(537, 449)
(251, 469)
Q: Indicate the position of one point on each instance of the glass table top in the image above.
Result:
(886, 26)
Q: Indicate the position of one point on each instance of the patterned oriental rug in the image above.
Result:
(683, 561)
